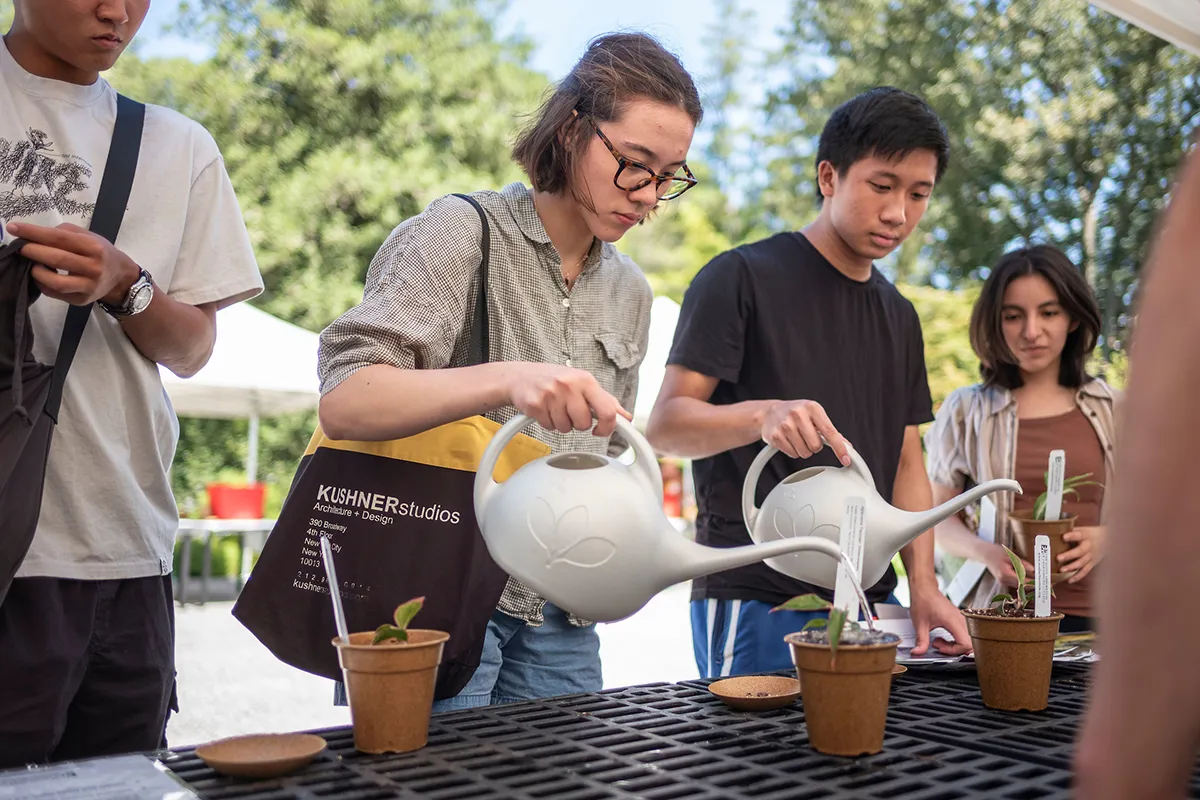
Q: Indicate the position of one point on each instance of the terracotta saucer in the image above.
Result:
(262, 755)
(899, 669)
(756, 692)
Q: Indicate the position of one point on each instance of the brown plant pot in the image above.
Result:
(1013, 657)
(845, 699)
(390, 688)
(1025, 530)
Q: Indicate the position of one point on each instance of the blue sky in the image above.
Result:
(560, 29)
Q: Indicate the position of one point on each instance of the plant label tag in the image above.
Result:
(853, 534)
(1041, 576)
(1054, 486)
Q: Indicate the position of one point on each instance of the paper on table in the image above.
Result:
(117, 778)
(895, 619)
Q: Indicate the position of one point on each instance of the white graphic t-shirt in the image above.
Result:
(107, 509)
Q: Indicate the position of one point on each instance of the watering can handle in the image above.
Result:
(750, 485)
(485, 484)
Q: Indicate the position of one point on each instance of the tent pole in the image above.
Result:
(252, 452)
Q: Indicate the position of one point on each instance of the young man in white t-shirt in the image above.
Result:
(87, 627)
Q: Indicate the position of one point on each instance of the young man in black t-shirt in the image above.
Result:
(780, 339)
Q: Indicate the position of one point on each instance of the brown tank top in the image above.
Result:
(1072, 433)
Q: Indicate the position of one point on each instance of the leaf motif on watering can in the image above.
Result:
(555, 537)
(801, 525)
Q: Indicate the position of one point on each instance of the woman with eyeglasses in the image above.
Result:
(569, 315)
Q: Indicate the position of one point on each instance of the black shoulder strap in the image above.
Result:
(481, 341)
(106, 221)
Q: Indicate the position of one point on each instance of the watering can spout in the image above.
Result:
(693, 560)
(922, 521)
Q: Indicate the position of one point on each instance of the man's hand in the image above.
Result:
(1086, 553)
(795, 427)
(930, 609)
(1000, 565)
(96, 270)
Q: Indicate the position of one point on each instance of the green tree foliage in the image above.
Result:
(1066, 124)
(945, 323)
(340, 119)
(337, 120)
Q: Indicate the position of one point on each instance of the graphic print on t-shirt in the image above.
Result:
(35, 178)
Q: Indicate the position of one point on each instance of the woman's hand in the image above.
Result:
(1087, 551)
(563, 399)
(1000, 565)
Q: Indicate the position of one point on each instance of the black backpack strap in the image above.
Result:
(481, 341)
(111, 201)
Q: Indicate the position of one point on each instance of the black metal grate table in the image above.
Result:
(665, 741)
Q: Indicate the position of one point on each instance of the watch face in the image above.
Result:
(141, 298)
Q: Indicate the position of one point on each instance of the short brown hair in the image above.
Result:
(614, 69)
(997, 364)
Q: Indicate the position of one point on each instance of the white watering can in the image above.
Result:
(588, 533)
(810, 504)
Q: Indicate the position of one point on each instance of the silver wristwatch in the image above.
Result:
(136, 301)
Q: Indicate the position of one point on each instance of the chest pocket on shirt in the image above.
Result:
(618, 358)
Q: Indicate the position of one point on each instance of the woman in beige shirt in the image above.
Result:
(1033, 328)
(568, 316)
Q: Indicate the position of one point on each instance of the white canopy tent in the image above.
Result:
(1176, 21)
(260, 366)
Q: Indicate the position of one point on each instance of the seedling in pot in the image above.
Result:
(1021, 604)
(1070, 486)
(835, 626)
(403, 616)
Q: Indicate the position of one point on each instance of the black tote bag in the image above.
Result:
(401, 523)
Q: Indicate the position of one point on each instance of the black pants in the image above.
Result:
(87, 668)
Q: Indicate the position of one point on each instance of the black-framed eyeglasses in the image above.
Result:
(634, 175)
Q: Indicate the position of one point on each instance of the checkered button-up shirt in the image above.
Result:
(420, 295)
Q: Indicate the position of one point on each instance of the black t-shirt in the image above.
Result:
(774, 320)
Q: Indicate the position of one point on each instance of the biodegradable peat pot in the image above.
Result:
(845, 697)
(390, 687)
(1013, 657)
(1025, 530)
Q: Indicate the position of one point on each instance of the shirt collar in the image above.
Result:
(520, 203)
(999, 399)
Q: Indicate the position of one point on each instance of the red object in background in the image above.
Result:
(230, 501)
(672, 489)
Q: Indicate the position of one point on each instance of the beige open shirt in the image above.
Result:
(973, 440)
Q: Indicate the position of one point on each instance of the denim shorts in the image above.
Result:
(523, 662)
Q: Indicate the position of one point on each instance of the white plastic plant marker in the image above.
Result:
(853, 535)
(1041, 576)
(1054, 486)
(339, 614)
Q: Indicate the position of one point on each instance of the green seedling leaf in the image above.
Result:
(406, 611)
(1001, 598)
(385, 632)
(813, 624)
(1018, 566)
(804, 602)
